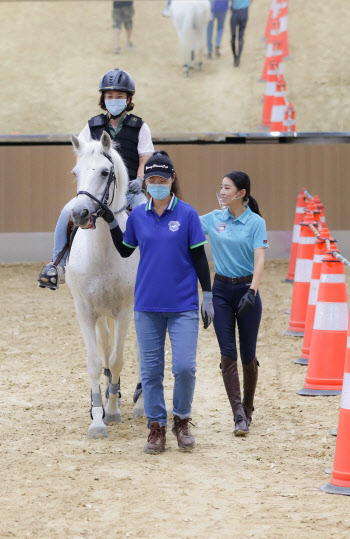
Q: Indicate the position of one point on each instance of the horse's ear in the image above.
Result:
(77, 143)
(106, 142)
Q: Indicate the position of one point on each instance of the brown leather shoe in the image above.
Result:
(180, 428)
(233, 390)
(156, 439)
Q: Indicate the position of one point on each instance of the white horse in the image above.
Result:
(191, 19)
(101, 282)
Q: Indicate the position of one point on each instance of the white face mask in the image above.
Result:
(223, 204)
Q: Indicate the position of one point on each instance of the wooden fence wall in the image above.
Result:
(36, 183)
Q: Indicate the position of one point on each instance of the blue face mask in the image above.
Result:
(115, 106)
(159, 192)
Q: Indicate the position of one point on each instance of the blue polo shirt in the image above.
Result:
(166, 278)
(233, 240)
(240, 4)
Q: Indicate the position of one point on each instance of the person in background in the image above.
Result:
(169, 235)
(239, 19)
(166, 10)
(238, 240)
(219, 10)
(134, 142)
(123, 12)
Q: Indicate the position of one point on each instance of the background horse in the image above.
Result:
(101, 282)
(191, 20)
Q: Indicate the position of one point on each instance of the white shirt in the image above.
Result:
(144, 146)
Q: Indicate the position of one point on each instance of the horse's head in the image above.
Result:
(95, 176)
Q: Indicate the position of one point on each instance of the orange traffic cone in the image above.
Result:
(319, 252)
(274, 10)
(289, 119)
(279, 29)
(329, 336)
(340, 479)
(302, 278)
(299, 214)
(274, 74)
(279, 106)
(320, 206)
(274, 50)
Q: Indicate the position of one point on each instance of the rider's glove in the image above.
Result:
(135, 186)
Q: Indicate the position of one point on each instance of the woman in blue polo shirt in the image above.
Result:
(172, 257)
(238, 241)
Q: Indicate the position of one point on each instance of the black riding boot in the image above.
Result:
(250, 378)
(233, 390)
(233, 45)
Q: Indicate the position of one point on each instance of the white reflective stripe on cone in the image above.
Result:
(318, 258)
(331, 316)
(277, 114)
(314, 286)
(322, 219)
(332, 278)
(296, 233)
(348, 343)
(269, 50)
(270, 88)
(283, 24)
(345, 394)
(299, 209)
(307, 240)
(303, 270)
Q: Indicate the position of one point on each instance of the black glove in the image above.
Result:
(247, 302)
(106, 213)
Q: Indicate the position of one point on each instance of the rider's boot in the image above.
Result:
(51, 276)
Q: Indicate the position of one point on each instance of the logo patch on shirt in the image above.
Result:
(221, 227)
(174, 226)
(265, 241)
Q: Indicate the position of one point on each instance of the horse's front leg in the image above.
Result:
(87, 321)
(116, 362)
(138, 395)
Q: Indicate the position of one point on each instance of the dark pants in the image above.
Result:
(226, 297)
(239, 18)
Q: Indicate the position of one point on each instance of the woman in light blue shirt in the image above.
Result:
(238, 241)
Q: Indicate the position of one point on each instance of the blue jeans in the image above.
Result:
(62, 223)
(226, 297)
(183, 332)
(220, 17)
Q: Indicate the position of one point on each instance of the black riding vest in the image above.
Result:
(127, 139)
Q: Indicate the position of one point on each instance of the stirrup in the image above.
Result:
(51, 276)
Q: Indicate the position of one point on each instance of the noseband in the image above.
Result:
(105, 197)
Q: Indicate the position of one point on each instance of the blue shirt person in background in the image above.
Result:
(169, 235)
(239, 19)
(219, 10)
(238, 240)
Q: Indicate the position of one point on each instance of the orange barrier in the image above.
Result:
(299, 214)
(274, 9)
(302, 277)
(340, 478)
(319, 252)
(329, 336)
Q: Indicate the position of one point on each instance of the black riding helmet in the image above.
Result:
(117, 79)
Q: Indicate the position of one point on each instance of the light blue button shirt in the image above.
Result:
(233, 240)
(240, 4)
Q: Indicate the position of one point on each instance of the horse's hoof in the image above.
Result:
(97, 431)
(138, 412)
(112, 418)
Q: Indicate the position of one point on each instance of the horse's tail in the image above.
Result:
(183, 17)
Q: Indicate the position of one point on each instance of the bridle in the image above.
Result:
(111, 179)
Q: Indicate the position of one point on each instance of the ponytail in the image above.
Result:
(242, 181)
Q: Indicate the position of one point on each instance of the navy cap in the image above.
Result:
(159, 165)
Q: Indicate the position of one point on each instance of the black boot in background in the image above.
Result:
(233, 390)
(250, 378)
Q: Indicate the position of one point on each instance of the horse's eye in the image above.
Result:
(105, 173)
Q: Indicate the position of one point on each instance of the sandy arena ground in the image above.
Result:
(53, 54)
(57, 483)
